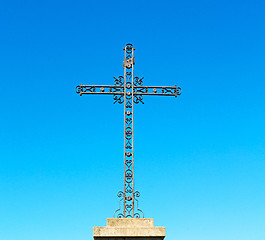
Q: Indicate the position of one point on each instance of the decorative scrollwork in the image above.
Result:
(128, 201)
(78, 89)
(128, 90)
(116, 89)
(128, 101)
(128, 121)
(118, 98)
(168, 90)
(118, 81)
(141, 89)
(137, 194)
(128, 145)
(128, 206)
(138, 212)
(157, 91)
(129, 48)
(100, 89)
(138, 81)
(88, 89)
(179, 90)
(138, 99)
(119, 213)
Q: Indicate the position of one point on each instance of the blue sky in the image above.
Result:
(199, 159)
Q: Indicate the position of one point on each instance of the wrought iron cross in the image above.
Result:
(128, 90)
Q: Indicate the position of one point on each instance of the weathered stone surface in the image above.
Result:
(128, 238)
(129, 229)
(130, 222)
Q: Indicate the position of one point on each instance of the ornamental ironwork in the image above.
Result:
(128, 90)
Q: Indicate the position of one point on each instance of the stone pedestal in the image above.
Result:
(129, 229)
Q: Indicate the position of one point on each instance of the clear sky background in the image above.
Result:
(199, 159)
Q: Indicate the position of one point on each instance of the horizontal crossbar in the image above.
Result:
(137, 90)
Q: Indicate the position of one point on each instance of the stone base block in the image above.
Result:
(129, 229)
(129, 238)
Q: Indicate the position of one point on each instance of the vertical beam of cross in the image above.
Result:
(128, 191)
(128, 90)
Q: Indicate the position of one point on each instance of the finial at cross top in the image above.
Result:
(128, 90)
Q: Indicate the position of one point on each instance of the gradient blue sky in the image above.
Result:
(199, 159)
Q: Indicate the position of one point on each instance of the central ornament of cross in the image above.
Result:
(128, 90)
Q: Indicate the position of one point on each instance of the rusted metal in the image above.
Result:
(136, 90)
(128, 90)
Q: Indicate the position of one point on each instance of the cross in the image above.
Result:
(128, 90)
